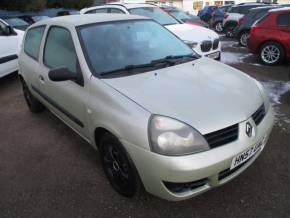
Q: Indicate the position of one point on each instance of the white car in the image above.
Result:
(203, 41)
(10, 43)
(160, 115)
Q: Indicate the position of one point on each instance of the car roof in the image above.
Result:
(280, 9)
(248, 4)
(79, 20)
(264, 8)
(117, 4)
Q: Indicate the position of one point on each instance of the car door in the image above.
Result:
(29, 61)
(67, 98)
(283, 21)
(9, 49)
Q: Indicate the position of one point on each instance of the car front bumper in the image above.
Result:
(211, 167)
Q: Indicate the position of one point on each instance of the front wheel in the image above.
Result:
(118, 166)
(271, 53)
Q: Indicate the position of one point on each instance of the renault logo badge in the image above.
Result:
(249, 129)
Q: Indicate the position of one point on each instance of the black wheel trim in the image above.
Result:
(122, 180)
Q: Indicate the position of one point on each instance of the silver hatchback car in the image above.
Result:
(161, 116)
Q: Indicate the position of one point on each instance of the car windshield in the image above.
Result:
(116, 45)
(181, 15)
(156, 14)
(16, 22)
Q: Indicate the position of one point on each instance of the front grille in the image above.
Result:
(182, 187)
(206, 46)
(223, 136)
(228, 172)
(215, 44)
(259, 115)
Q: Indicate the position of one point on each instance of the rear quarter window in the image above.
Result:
(284, 19)
(33, 40)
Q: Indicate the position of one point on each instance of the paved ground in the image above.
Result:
(46, 170)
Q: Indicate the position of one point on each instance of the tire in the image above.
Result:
(271, 53)
(218, 27)
(33, 104)
(118, 166)
(229, 30)
(243, 37)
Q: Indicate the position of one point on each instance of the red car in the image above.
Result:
(184, 17)
(270, 37)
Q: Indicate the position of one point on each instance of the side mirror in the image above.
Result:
(7, 30)
(61, 74)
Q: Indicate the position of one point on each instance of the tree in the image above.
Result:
(23, 5)
(69, 3)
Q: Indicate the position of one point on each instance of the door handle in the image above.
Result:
(41, 79)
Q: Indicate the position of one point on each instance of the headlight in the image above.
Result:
(171, 137)
(264, 95)
(191, 44)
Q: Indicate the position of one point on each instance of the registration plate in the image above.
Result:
(214, 55)
(246, 155)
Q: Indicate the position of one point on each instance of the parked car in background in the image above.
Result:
(184, 17)
(203, 41)
(10, 43)
(16, 23)
(242, 31)
(216, 21)
(30, 19)
(161, 117)
(206, 13)
(270, 37)
(235, 15)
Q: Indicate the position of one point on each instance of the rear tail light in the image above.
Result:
(254, 29)
(226, 15)
(241, 20)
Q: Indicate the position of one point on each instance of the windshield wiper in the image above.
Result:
(189, 56)
(174, 59)
(159, 63)
(133, 67)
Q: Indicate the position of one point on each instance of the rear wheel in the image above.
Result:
(33, 104)
(118, 166)
(243, 38)
(229, 30)
(218, 27)
(271, 53)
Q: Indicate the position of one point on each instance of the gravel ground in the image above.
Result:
(46, 170)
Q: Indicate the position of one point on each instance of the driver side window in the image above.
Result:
(59, 50)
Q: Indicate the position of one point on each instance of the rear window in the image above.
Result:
(246, 9)
(284, 19)
(234, 10)
(32, 41)
(262, 18)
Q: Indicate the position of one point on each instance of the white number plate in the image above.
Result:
(214, 55)
(246, 155)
